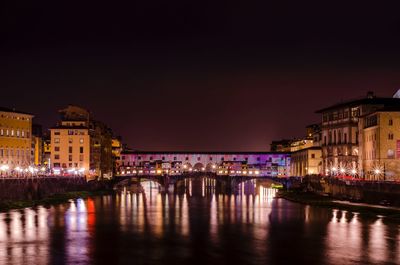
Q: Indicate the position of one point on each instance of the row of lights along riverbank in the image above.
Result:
(6, 170)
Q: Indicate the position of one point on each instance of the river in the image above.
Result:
(199, 223)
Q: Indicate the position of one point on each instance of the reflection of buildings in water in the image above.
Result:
(24, 237)
(349, 238)
(77, 236)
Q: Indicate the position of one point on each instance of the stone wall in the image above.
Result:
(34, 189)
(363, 191)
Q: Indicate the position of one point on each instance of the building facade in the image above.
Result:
(306, 161)
(15, 139)
(342, 131)
(81, 144)
(380, 144)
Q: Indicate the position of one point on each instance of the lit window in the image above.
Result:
(56, 140)
(390, 153)
(81, 140)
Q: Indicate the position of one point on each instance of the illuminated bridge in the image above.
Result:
(255, 164)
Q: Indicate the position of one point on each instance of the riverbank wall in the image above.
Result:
(361, 191)
(40, 188)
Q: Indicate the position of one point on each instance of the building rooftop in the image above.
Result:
(369, 100)
(2, 109)
(202, 152)
(69, 127)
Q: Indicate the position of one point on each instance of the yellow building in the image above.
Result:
(380, 145)
(306, 161)
(15, 138)
(70, 147)
(80, 144)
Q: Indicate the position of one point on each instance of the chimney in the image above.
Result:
(370, 94)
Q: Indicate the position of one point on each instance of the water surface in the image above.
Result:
(202, 222)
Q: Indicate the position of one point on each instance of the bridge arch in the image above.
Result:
(199, 167)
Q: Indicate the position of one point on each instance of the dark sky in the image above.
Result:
(197, 75)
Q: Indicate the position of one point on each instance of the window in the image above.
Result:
(151, 158)
(56, 133)
(12, 132)
(234, 159)
(17, 133)
(56, 157)
(22, 134)
(70, 149)
(69, 157)
(56, 140)
(187, 158)
(80, 157)
(56, 148)
(210, 158)
(70, 140)
(390, 136)
(81, 140)
(81, 150)
(174, 158)
(312, 155)
(258, 159)
(390, 122)
(1, 132)
(70, 132)
(163, 158)
(345, 138)
(390, 153)
(198, 158)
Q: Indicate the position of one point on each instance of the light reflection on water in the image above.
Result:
(201, 223)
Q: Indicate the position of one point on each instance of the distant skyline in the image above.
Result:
(203, 76)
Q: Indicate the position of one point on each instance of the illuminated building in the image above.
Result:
(46, 149)
(116, 146)
(306, 161)
(15, 138)
(342, 131)
(37, 145)
(81, 144)
(380, 144)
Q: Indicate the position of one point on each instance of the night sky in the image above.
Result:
(197, 75)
